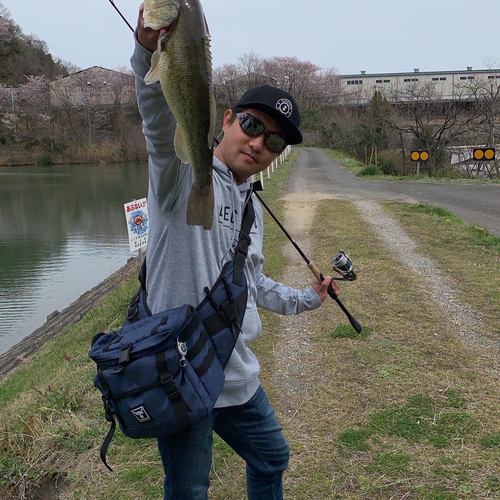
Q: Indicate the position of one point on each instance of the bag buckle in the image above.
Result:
(124, 358)
(166, 379)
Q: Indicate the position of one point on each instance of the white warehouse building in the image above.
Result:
(360, 87)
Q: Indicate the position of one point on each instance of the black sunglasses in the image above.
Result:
(254, 127)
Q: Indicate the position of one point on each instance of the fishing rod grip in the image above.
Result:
(354, 322)
(315, 271)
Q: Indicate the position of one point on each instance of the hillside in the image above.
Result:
(22, 54)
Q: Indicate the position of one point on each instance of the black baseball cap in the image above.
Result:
(278, 104)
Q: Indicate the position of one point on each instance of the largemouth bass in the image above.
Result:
(183, 66)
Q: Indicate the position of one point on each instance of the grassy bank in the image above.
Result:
(104, 152)
(404, 411)
(51, 417)
(359, 169)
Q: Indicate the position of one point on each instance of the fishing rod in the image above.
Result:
(341, 264)
(121, 15)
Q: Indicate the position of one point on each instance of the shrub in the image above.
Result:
(44, 159)
(370, 170)
(391, 163)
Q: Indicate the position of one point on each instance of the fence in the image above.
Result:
(275, 164)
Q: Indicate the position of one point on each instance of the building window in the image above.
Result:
(471, 78)
(387, 81)
(414, 79)
(491, 77)
(443, 78)
(348, 82)
(498, 76)
(463, 78)
(407, 80)
(380, 81)
(435, 79)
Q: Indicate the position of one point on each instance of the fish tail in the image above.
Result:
(200, 209)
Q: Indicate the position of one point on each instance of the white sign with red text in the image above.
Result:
(136, 213)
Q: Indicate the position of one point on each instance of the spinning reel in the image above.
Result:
(343, 265)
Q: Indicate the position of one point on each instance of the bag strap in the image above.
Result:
(167, 381)
(244, 242)
(108, 410)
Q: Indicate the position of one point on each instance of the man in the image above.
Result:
(183, 259)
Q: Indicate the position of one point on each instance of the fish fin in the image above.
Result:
(213, 119)
(180, 146)
(153, 75)
(200, 209)
(213, 102)
(208, 53)
(206, 25)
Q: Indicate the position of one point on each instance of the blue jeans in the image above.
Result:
(253, 432)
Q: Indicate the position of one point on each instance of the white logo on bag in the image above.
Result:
(285, 106)
(141, 414)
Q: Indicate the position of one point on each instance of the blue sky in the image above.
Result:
(381, 36)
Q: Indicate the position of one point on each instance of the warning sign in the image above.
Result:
(136, 213)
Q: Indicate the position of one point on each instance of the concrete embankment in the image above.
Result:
(67, 317)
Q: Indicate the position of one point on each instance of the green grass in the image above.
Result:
(348, 332)
(466, 252)
(469, 234)
(490, 441)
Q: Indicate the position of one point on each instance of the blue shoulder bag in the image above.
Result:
(161, 373)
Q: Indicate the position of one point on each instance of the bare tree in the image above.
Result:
(4, 12)
(250, 65)
(34, 105)
(432, 122)
(295, 76)
(226, 79)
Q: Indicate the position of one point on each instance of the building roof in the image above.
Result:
(413, 73)
(98, 68)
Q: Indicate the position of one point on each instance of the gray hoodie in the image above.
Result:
(183, 259)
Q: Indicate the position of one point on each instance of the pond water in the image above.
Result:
(62, 231)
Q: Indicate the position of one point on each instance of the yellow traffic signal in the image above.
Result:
(419, 155)
(484, 153)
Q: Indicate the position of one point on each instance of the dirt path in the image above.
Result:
(294, 355)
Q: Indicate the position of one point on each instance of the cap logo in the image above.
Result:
(285, 107)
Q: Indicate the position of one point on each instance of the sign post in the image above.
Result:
(481, 154)
(420, 155)
(136, 213)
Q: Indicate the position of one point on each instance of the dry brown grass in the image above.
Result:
(412, 350)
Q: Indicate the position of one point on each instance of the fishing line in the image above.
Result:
(121, 15)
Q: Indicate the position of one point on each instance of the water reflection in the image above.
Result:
(62, 231)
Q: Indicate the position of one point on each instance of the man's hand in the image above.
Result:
(322, 288)
(147, 37)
